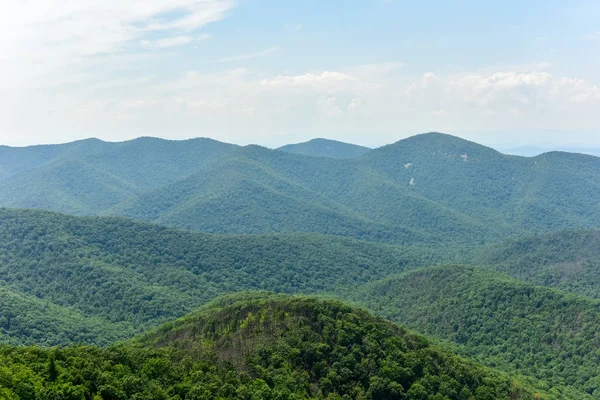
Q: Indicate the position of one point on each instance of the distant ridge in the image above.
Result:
(326, 148)
(431, 189)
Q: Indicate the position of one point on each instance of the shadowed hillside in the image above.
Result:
(568, 260)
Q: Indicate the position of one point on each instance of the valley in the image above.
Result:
(131, 254)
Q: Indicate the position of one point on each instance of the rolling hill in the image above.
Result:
(383, 229)
(89, 176)
(326, 148)
(568, 260)
(504, 323)
(522, 194)
(431, 188)
(101, 280)
(257, 346)
(93, 279)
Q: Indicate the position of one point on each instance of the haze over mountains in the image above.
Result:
(326, 148)
(496, 258)
(99, 280)
(428, 188)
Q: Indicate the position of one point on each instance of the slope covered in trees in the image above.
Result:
(89, 176)
(259, 347)
(430, 188)
(267, 191)
(292, 223)
(568, 260)
(525, 194)
(512, 325)
(127, 276)
(326, 148)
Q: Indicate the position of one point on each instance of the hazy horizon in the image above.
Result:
(367, 72)
(528, 150)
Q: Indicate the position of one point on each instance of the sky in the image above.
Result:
(509, 74)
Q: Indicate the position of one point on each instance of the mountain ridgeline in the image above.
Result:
(259, 346)
(100, 279)
(326, 148)
(428, 189)
(495, 258)
(511, 325)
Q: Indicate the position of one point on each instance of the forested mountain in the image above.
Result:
(326, 148)
(98, 280)
(385, 229)
(430, 188)
(535, 193)
(92, 279)
(568, 260)
(89, 176)
(505, 323)
(259, 347)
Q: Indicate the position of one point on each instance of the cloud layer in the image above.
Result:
(72, 69)
(47, 40)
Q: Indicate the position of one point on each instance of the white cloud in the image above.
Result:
(308, 79)
(328, 106)
(592, 36)
(355, 104)
(486, 89)
(167, 42)
(172, 41)
(245, 105)
(248, 56)
(43, 41)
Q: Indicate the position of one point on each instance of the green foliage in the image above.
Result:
(94, 280)
(312, 225)
(326, 148)
(245, 196)
(568, 260)
(427, 189)
(257, 347)
(26, 319)
(508, 324)
(88, 176)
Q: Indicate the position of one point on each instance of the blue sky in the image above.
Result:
(508, 74)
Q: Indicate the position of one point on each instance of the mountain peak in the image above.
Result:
(321, 147)
(436, 144)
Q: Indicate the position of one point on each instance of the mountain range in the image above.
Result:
(430, 188)
(120, 264)
(259, 346)
(101, 280)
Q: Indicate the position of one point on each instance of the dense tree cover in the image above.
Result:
(88, 176)
(515, 326)
(568, 260)
(136, 275)
(30, 320)
(326, 148)
(243, 196)
(258, 347)
(100, 280)
(94, 280)
(518, 193)
(431, 188)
